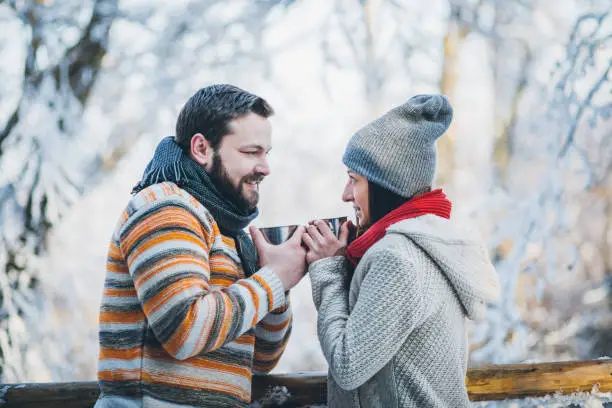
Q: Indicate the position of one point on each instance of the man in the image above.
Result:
(186, 317)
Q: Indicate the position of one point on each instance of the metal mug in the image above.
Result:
(335, 224)
(279, 234)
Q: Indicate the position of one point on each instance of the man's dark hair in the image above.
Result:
(210, 110)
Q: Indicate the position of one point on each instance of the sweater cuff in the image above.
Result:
(274, 287)
(325, 273)
(333, 263)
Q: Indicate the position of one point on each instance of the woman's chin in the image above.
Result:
(361, 223)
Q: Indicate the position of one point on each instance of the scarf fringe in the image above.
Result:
(175, 170)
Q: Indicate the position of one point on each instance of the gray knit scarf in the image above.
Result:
(170, 163)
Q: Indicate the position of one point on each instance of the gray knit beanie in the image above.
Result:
(396, 151)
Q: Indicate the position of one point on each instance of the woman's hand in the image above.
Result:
(322, 243)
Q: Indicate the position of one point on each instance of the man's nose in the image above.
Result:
(263, 167)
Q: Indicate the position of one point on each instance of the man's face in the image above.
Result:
(240, 161)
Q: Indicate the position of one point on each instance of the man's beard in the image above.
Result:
(219, 175)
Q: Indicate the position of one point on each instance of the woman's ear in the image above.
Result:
(201, 151)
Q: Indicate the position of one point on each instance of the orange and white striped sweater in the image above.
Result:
(180, 325)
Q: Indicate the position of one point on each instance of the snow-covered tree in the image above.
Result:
(44, 161)
(555, 196)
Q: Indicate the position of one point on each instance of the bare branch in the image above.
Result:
(581, 110)
(10, 125)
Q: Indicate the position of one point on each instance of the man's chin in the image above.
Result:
(252, 202)
(249, 200)
(250, 196)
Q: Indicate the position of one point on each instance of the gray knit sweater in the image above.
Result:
(395, 335)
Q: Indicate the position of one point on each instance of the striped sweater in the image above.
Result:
(180, 325)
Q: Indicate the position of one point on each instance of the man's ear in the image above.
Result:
(201, 151)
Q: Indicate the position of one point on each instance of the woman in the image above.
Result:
(393, 304)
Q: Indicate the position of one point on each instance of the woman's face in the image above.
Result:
(356, 192)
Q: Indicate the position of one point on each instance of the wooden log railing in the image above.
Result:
(484, 384)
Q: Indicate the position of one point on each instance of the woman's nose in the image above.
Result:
(347, 194)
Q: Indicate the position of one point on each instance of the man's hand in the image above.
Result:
(322, 243)
(287, 260)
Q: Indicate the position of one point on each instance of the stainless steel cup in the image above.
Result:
(278, 235)
(335, 224)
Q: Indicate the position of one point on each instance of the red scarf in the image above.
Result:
(434, 202)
